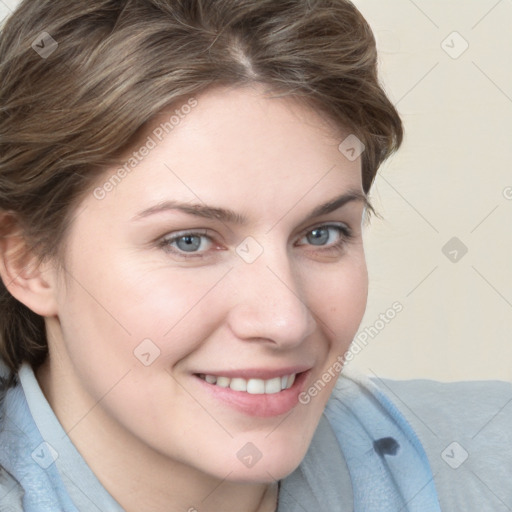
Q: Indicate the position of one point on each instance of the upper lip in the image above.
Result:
(257, 373)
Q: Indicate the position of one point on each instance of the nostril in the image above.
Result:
(386, 446)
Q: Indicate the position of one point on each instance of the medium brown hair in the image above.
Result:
(66, 115)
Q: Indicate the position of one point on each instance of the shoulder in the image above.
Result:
(11, 492)
(465, 429)
(475, 411)
(433, 397)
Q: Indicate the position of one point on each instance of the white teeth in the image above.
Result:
(223, 382)
(256, 386)
(273, 386)
(238, 384)
(252, 386)
(211, 379)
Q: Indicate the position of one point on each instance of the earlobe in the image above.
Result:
(29, 281)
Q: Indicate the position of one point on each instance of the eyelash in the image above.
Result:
(345, 232)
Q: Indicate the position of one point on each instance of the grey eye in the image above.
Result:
(319, 236)
(188, 243)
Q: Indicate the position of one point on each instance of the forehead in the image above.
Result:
(240, 147)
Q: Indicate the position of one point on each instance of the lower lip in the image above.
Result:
(264, 405)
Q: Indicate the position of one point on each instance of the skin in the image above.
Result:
(152, 435)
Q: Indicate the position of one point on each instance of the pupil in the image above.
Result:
(318, 236)
(189, 243)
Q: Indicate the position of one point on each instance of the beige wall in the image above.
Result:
(452, 178)
(449, 180)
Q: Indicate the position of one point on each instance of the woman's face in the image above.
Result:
(208, 277)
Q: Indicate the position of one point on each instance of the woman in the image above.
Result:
(183, 188)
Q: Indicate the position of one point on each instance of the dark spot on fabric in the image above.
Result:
(386, 446)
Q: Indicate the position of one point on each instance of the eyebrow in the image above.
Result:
(232, 217)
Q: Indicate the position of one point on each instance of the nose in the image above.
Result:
(269, 304)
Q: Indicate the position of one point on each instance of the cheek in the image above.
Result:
(338, 298)
(118, 320)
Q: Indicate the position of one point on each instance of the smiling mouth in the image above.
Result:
(251, 386)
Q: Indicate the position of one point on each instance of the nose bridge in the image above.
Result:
(270, 301)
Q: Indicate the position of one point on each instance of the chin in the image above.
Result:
(266, 472)
(269, 462)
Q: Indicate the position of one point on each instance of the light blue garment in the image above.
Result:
(382, 468)
(466, 430)
(28, 460)
(388, 466)
(364, 457)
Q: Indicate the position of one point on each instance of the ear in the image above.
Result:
(29, 281)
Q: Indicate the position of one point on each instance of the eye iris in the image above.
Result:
(190, 243)
(318, 236)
